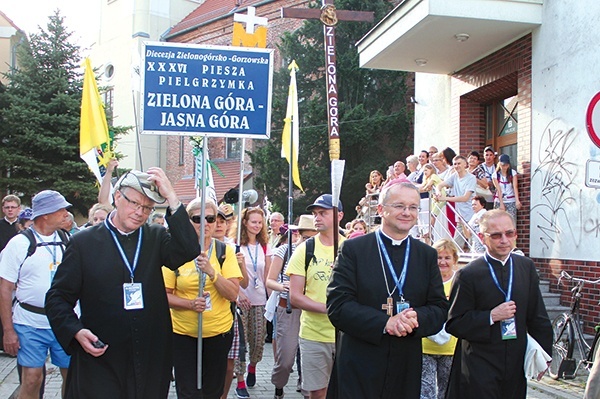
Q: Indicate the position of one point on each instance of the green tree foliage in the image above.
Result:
(39, 126)
(375, 127)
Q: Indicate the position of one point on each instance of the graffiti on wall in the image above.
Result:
(556, 213)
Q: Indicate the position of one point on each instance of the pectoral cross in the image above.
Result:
(388, 306)
(329, 16)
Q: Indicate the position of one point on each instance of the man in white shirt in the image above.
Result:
(463, 185)
(27, 332)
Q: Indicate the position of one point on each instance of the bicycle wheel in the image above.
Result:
(562, 345)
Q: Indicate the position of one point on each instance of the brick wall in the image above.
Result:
(550, 269)
(499, 75)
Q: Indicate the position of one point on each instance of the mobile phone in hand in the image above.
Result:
(98, 344)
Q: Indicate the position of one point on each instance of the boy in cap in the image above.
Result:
(307, 292)
(121, 345)
(27, 332)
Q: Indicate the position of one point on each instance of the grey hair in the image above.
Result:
(197, 204)
(405, 184)
(493, 214)
(412, 159)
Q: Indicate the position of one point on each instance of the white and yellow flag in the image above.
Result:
(290, 140)
(93, 128)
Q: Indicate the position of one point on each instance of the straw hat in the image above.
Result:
(306, 222)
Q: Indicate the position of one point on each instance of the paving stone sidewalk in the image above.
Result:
(545, 389)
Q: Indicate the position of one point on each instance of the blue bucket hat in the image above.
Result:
(46, 202)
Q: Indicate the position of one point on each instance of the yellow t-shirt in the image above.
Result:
(184, 284)
(314, 326)
(430, 347)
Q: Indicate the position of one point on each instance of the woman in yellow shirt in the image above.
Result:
(437, 359)
(221, 286)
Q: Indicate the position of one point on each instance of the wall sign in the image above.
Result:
(592, 119)
(199, 89)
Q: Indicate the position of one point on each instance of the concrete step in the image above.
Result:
(551, 299)
(555, 310)
(544, 286)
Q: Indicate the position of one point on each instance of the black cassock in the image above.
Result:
(137, 363)
(370, 363)
(485, 366)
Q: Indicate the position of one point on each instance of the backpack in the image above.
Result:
(33, 244)
(309, 255)
(220, 247)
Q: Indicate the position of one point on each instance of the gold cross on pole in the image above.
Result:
(330, 16)
(388, 307)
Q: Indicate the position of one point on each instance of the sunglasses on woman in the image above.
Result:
(209, 219)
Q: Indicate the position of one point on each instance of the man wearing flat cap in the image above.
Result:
(121, 345)
(27, 332)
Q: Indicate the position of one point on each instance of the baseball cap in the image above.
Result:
(504, 158)
(139, 182)
(26, 214)
(489, 148)
(226, 211)
(324, 201)
(46, 202)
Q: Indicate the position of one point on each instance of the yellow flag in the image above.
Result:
(290, 140)
(93, 128)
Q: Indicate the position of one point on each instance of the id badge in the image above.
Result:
(132, 296)
(401, 305)
(52, 268)
(256, 285)
(208, 302)
(509, 329)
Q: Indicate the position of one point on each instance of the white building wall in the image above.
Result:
(432, 111)
(124, 25)
(565, 214)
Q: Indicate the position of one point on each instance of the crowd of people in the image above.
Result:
(363, 312)
(453, 190)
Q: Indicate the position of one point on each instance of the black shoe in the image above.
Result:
(242, 393)
(250, 380)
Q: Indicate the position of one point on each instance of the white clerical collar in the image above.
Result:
(394, 242)
(110, 216)
(9, 222)
(503, 262)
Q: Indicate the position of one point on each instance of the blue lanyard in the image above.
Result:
(45, 244)
(254, 259)
(120, 248)
(508, 294)
(399, 282)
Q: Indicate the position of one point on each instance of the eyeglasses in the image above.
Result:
(402, 207)
(10, 207)
(209, 218)
(137, 206)
(498, 236)
(435, 160)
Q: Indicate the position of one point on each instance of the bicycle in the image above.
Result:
(568, 334)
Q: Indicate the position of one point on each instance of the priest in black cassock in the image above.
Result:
(495, 301)
(114, 270)
(385, 295)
